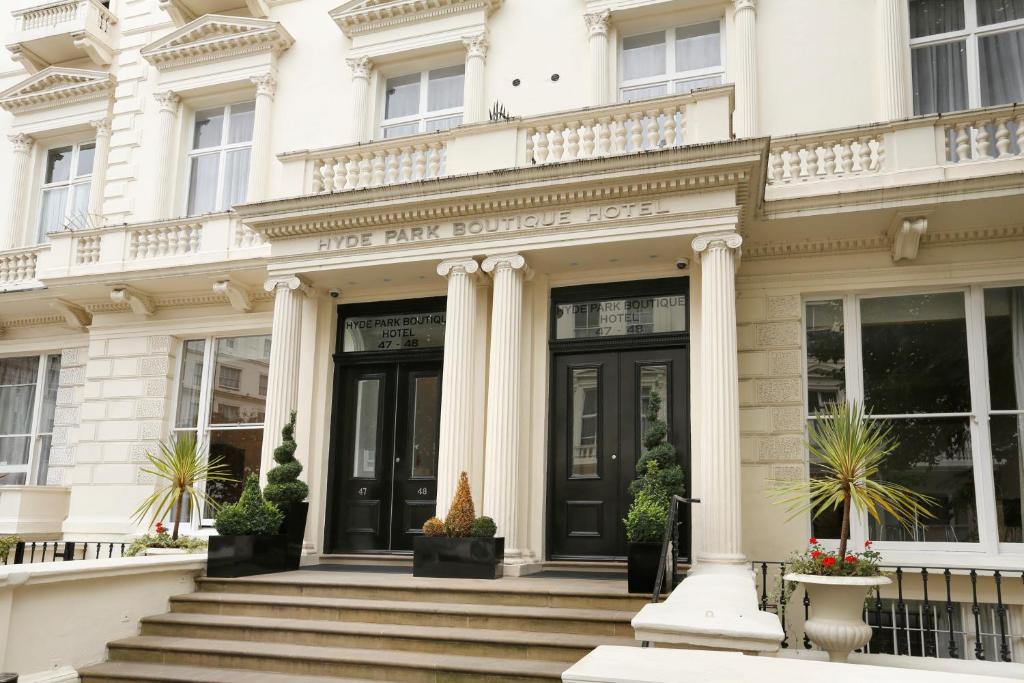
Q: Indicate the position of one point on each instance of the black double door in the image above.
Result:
(385, 480)
(598, 421)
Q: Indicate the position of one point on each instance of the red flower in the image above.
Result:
(812, 540)
(815, 554)
(850, 559)
(829, 561)
(160, 528)
(867, 544)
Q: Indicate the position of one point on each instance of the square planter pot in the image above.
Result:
(458, 558)
(294, 529)
(232, 556)
(642, 567)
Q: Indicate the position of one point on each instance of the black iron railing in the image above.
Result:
(913, 616)
(670, 544)
(28, 552)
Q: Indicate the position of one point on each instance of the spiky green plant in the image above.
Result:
(180, 467)
(849, 450)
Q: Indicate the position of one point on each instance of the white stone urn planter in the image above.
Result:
(165, 551)
(837, 608)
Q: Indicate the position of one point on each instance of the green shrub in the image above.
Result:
(284, 486)
(7, 544)
(483, 527)
(659, 477)
(251, 515)
(189, 543)
(433, 527)
(646, 520)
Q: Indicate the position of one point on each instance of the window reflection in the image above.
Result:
(585, 404)
(826, 356)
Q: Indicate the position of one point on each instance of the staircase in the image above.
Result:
(310, 626)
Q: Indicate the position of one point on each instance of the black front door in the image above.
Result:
(598, 421)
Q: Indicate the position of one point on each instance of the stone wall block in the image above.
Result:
(156, 388)
(753, 364)
(781, 449)
(750, 309)
(116, 430)
(97, 348)
(90, 451)
(767, 335)
(154, 365)
(113, 473)
(748, 449)
(150, 431)
(127, 346)
(755, 421)
(94, 410)
(746, 392)
(788, 472)
(138, 452)
(785, 307)
(745, 338)
(142, 477)
(125, 367)
(149, 408)
(772, 391)
(57, 476)
(788, 419)
(72, 376)
(785, 363)
(62, 456)
(99, 368)
(159, 343)
(66, 414)
(73, 355)
(124, 388)
(61, 436)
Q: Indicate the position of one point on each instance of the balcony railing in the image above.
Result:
(30, 552)
(18, 268)
(61, 31)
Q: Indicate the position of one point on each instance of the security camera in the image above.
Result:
(335, 293)
(683, 263)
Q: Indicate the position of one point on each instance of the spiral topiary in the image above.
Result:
(283, 484)
(459, 522)
(659, 477)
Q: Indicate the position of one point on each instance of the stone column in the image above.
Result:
(894, 88)
(474, 103)
(458, 380)
(720, 406)
(266, 86)
(501, 454)
(98, 182)
(597, 31)
(17, 198)
(167, 162)
(283, 381)
(361, 68)
(745, 120)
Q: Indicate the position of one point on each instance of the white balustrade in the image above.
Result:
(399, 161)
(838, 155)
(984, 136)
(87, 249)
(164, 240)
(18, 266)
(57, 13)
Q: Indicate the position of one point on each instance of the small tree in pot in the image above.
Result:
(850, 449)
(285, 490)
(249, 541)
(463, 546)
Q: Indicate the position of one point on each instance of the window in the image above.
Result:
(966, 53)
(671, 62)
(264, 383)
(423, 102)
(228, 423)
(66, 180)
(219, 160)
(28, 398)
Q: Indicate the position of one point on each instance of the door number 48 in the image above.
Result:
(422, 491)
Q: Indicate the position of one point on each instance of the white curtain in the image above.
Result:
(17, 395)
(698, 47)
(202, 190)
(236, 178)
(52, 215)
(1002, 67)
(446, 87)
(940, 78)
(643, 56)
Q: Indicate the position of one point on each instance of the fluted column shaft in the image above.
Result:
(501, 454)
(474, 105)
(98, 182)
(283, 380)
(455, 441)
(597, 31)
(17, 199)
(259, 162)
(719, 453)
(361, 68)
(167, 162)
(894, 89)
(745, 120)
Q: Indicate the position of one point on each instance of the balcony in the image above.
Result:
(18, 268)
(63, 31)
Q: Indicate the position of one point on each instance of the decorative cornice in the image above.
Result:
(366, 16)
(57, 87)
(361, 67)
(906, 236)
(21, 143)
(476, 46)
(465, 266)
(213, 37)
(238, 295)
(598, 22)
(75, 316)
(139, 303)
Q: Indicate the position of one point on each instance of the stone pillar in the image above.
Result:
(283, 382)
(474, 102)
(745, 120)
(163, 201)
(98, 182)
(501, 454)
(361, 68)
(266, 86)
(719, 449)
(597, 31)
(893, 39)
(458, 380)
(17, 197)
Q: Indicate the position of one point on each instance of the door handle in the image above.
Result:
(398, 460)
(614, 457)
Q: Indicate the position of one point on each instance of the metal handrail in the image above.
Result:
(671, 538)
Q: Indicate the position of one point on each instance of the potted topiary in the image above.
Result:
(659, 477)
(285, 490)
(249, 540)
(849, 450)
(462, 546)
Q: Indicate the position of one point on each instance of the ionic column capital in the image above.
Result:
(102, 127)
(597, 22)
(287, 282)
(498, 262)
(266, 84)
(743, 5)
(361, 67)
(456, 266)
(21, 143)
(476, 46)
(168, 101)
(716, 240)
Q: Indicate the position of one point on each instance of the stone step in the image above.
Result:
(522, 592)
(136, 672)
(454, 615)
(518, 645)
(377, 665)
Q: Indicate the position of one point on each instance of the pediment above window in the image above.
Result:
(368, 16)
(184, 11)
(56, 86)
(215, 37)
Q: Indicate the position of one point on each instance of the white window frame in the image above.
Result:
(74, 182)
(671, 74)
(221, 150)
(978, 420)
(422, 117)
(971, 34)
(32, 477)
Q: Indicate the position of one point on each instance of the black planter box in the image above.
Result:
(458, 558)
(294, 529)
(232, 556)
(642, 569)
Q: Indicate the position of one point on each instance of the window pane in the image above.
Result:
(367, 438)
(997, 11)
(826, 355)
(829, 523)
(652, 378)
(643, 55)
(14, 451)
(691, 84)
(189, 383)
(940, 77)
(585, 420)
(43, 460)
(698, 47)
(915, 354)
(401, 130)
(52, 381)
(202, 190)
(933, 457)
(240, 126)
(79, 208)
(86, 154)
(402, 96)
(1002, 68)
(238, 364)
(52, 215)
(445, 87)
(644, 93)
(19, 370)
(240, 449)
(58, 165)
(17, 395)
(1004, 329)
(437, 125)
(236, 178)
(14, 479)
(929, 17)
(209, 128)
(1007, 463)
(426, 404)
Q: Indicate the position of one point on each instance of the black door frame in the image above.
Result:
(665, 340)
(344, 360)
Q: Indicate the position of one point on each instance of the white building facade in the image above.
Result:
(474, 235)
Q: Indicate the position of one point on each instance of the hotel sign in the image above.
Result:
(395, 332)
(630, 317)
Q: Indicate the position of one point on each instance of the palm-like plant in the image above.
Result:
(849, 450)
(180, 466)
